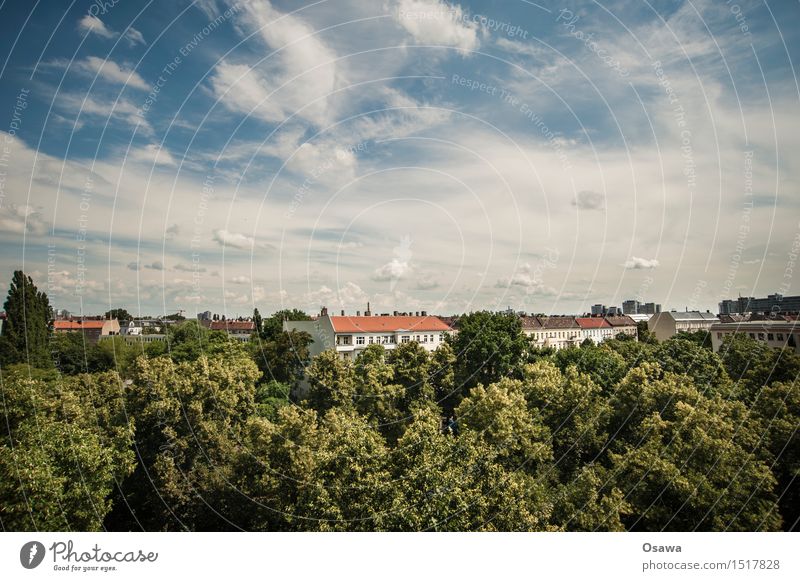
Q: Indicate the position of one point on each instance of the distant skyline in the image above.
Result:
(416, 154)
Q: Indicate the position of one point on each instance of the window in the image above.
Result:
(770, 337)
(371, 339)
(405, 339)
(344, 340)
(359, 340)
(761, 336)
(780, 336)
(752, 335)
(719, 335)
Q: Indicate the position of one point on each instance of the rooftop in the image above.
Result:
(388, 324)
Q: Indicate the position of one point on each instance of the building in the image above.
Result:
(777, 333)
(776, 303)
(350, 335)
(598, 309)
(623, 324)
(93, 329)
(669, 323)
(239, 330)
(649, 308)
(630, 307)
(596, 329)
(555, 332)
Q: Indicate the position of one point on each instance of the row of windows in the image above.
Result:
(387, 339)
(770, 336)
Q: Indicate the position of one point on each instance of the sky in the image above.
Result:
(417, 154)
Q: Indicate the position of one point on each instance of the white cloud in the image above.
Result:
(152, 154)
(134, 37)
(21, 219)
(300, 74)
(111, 72)
(93, 25)
(233, 239)
(392, 270)
(240, 280)
(438, 23)
(636, 263)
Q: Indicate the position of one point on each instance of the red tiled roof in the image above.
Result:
(77, 325)
(387, 324)
(591, 322)
(558, 322)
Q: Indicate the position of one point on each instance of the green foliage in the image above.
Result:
(26, 329)
(121, 314)
(488, 347)
(201, 432)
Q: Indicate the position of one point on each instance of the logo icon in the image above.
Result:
(31, 554)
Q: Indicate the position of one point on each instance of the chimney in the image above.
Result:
(424, 313)
(358, 313)
(367, 313)
(323, 312)
(343, 312)
(416, 314)
(394, 313)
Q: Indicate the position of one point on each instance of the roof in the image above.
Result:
(591, 322)
(531, 322)
(78, 325)
(558, 322)
(692, 316)
(621, 321)
(233, 326)
(779, 325)
(390, 324)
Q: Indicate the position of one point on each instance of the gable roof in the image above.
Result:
(591, 322)
(531, 322)
(558, 322)
(693, 316)
(389, 324)
(620, 321)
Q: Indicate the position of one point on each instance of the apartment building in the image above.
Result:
(669, 323)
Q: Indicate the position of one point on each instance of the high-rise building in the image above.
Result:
(649, 308)
(598, 309)
(630, 307)
(776, 303)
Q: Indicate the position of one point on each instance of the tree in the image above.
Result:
(66, 445)
(644, 333)
(332, 382)
(679, 355)
(488, 347)
(26, 330)
(118, 313)
(685, 461)
(778, 410)
(272, 326)
(284, 357)
(753, 365)
(603, 365)
(191, 418)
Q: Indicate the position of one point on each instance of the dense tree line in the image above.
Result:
(485, 433)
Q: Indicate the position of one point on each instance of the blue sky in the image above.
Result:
(416, 154)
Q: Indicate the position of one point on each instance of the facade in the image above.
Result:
(630, 307)
(351, 335)
(93, 330)
(649, 308)
(776, 303)
(239, 330)
(555, 332)
(775, 333)
(598, 309)
(596, 329)
(623, 324)
(669, 323)
(634, 307)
